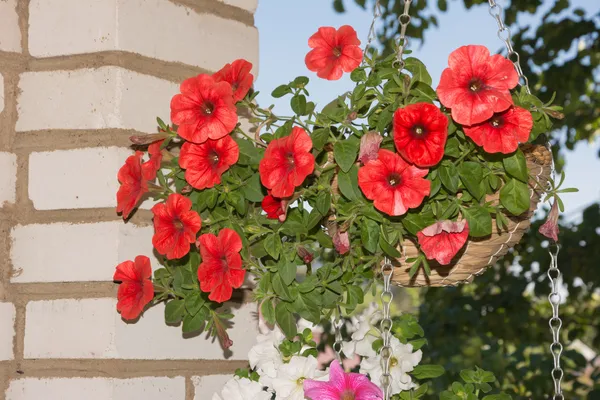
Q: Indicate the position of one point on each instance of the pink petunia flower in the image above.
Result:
(342, 386)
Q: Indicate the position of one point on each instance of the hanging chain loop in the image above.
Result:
(377, 13)
(505, 36)
(402, 43)
(337, 326)
(555, 322)
(386, 327)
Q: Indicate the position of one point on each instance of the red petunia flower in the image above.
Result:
(287, 162)
(221, 269)
(443, 240)
(420, 133)
(393, 184)
(205, 163)
(274, 207)
(134, 179)
(476, 85)
(204, 110)
(175, 226)
(238, 75)
(136, 289)
(156, 157)
(334, 52)
(503, 132)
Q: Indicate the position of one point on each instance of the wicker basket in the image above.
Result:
(478, 254)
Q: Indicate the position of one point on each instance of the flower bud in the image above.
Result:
(369, 147)
(305, 255)
(550, 227)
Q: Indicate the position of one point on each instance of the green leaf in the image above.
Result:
(452, 148)
(193, 323)
(388, 248)
(418, 71)
(324, 202)
(358, 75)
(314, 218)
(249, 154)
(285, 320)
(320, 137)
(516, 166)
(194, 302)
(287, 272)
(479, 220)
(471, 176)
(345, 152)
(500, 396)
(298, 104)
(449, 176)
(514, 196)
(280, 288)
(300, 82)
(307, 308)
(324, 239)
(369, 235)
(273, 245)
(174, 311)
(348, 184)
(425, 371)
(253, 189)
(268, 311)
(423, 90)
(281, 91)
(415, 222)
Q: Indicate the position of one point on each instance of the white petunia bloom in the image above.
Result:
(290, 377)
(403, 361)
(265, 356)
(364, 333)
(242, 389)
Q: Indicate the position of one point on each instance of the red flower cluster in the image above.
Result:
(443, 240)
(287, 162)
(476, 86)
(205, 163)
(136, 289)
(334, 52)
(175, 226)
(134, 177)
(238, 76)
(221, 269)
(274, 207)
(393, 184)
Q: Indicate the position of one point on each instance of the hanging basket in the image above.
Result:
(479, 254)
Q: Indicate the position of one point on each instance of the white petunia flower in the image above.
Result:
(242, 389)
(288, 384)
(403, 360)
(364, 333)
(265, 356)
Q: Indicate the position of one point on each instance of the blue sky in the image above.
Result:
(286, 25)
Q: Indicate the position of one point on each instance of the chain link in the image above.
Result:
(402, 43)
(377, 13)
(337, 326)
(386, 327)
(555, 322)
(505, 36)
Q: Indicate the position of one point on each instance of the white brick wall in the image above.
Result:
(206, 386)
(106, 97)
(119, 24)
(80, 178)
(1, 91)
(7, 330)
(10, 39)
(97, 249)
(147, 388)
(8, 177)
(55, 328)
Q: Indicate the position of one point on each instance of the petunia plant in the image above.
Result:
(306, 207)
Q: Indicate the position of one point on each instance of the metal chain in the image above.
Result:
(505, 35)
(402, 43)
(376, 15)
(555, 322)
(386, 328)
(337, 326)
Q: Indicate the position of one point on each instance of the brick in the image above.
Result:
(8, 178)
(106, 97)
(92, 328)
(7, 331)
(248, 5)
(1, 92)
(147, 27)
(10, 33)
(148, 388)
(206, 386)
(76, 252)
